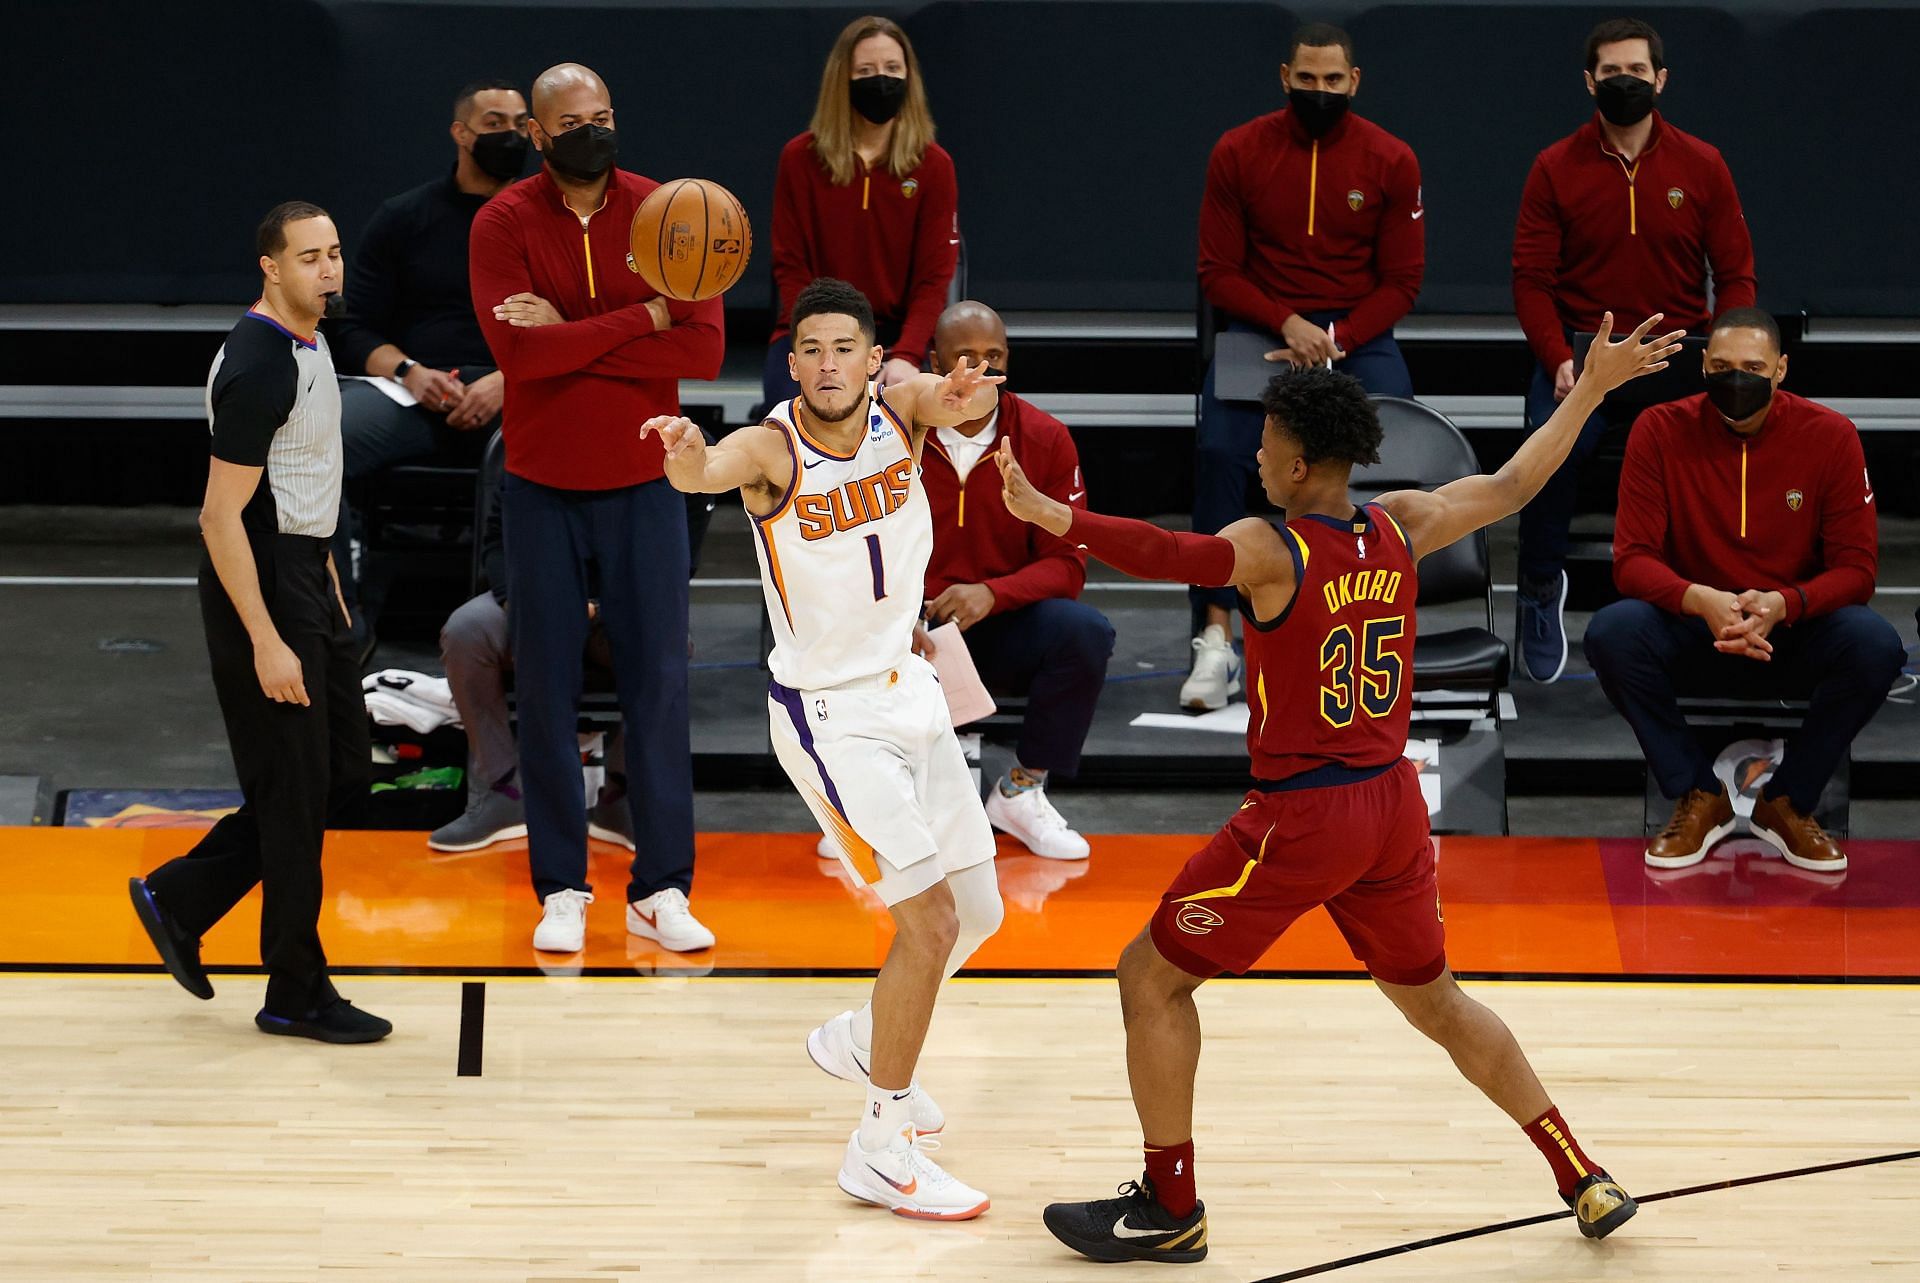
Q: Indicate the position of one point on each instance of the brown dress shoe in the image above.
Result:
(1699, 820)
(1798, 837)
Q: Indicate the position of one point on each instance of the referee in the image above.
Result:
(282, 657)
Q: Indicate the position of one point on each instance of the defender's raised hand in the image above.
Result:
(1024, 500)
(1611, 364)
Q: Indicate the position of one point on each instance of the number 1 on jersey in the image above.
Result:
(879, 568)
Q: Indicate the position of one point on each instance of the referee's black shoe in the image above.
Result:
(1133, 1227)
(179, 952)
(338, 1021)
(1599, 1205)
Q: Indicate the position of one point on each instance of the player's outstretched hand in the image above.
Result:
(1023, 500)
(1611, 364)
(680, 436)
(956, 391)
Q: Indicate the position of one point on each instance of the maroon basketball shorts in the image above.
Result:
(1361, 847)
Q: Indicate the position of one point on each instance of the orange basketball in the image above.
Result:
(690, 239)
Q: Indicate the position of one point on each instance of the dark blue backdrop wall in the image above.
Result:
(156, 134)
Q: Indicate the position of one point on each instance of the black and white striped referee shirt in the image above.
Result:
(272, 403)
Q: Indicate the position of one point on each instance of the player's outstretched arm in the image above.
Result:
(961, 395)
(743, 459)
(1457, 509)
(1248, 553)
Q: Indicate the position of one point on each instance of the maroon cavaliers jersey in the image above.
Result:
(1330, 682)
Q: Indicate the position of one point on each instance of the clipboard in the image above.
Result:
(1241, 370)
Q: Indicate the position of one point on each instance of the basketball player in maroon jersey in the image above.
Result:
(1336, 815)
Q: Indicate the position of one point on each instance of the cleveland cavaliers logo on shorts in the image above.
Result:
(1197, 919)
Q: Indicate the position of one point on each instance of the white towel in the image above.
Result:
(421, 703)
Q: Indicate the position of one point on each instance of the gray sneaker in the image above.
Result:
(492, 817)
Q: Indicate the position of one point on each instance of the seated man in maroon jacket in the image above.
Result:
(1746, 546)
(1012, 587)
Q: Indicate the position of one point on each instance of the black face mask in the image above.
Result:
(878, 98)
(1739, 394)
(1624, 100)
(583, 153)
(994, 372)
(1318, 110)
(336, 307)
(501, 155)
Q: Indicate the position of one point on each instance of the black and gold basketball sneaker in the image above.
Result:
(1133, 1227)
(1600, 1206)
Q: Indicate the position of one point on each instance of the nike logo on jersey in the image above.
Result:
(1078, 494)
(813, 463)
(1123, 1230)
(1417, 213)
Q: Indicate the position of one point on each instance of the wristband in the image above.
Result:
(401, 370)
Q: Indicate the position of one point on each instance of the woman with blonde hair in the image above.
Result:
(867, 196)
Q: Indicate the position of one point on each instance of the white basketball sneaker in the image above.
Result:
(666, 916)
(903, 1179)
(831, 1047)
(563, 922)
(1032, 819)
(1216, 671)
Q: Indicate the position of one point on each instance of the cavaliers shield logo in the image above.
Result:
(909, 187)
(1676, 197)
(1795, 499)
(1355, 199)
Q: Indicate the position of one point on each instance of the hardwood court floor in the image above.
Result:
(673, 1129)
(1513, 905)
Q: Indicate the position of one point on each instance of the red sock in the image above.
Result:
(1170, 1172)
(1554, 1139)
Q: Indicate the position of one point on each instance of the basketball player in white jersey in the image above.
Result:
(832, 482)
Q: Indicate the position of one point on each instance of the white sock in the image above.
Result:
(885, 1117)
(863, 1031)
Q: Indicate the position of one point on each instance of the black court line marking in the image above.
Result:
(1501, 1227)
(986, 973)
(473, 1028)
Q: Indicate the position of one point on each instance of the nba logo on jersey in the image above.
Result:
(820, 709)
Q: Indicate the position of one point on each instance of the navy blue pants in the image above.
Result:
(1841, 664)
(1055, 653)
(1546, 521)
(636, 540)
(1224, 467)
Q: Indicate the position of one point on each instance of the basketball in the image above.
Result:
(690, 239)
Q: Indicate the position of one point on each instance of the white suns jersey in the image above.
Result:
(843, 559)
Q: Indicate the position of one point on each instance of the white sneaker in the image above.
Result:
(901, 1177)
(1216, 671)
(665, 916)
(563, 922)
(831, 1047)
(1030, 817)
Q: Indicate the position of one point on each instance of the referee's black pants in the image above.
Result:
(301, 769)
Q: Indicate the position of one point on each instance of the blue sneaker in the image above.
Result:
(1540, 628)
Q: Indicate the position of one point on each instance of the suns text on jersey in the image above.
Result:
(855, 503)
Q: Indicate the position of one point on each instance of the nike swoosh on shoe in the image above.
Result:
(1123, 1230)
(908, 1188)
